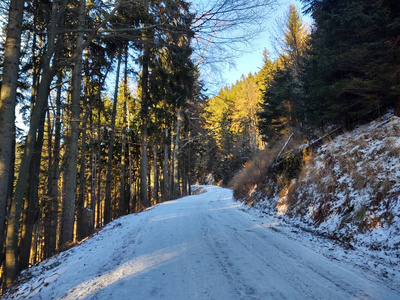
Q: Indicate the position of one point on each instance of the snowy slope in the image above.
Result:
(352, 187)
(204, 246)
(348, 193)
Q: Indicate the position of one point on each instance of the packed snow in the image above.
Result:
(348, 194)
(204, 246)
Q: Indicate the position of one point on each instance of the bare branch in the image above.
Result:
(224, 28)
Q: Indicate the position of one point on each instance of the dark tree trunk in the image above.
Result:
(165, 165)
(33, 198)
(98, 200)
(132, 199)
(155, 170)
(176, 186)
(68, 211)
(51, 206)
(80, 229)
(8, 97)
(122, 196)
(93, 171)
(107, 202)
(144, 123)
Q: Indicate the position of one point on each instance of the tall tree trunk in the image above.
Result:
(50, 231)
(68, 211)
(155, 170)
(149, 172)
(16, 207)
(98, 200)
(189, 173)
(92, 170)
(176, 187)
(122, 195)
(107, 201)
(82, 225)
(10, 188)
(81, 232)
(46, 206)
(8, 97)
(171, 165)
(144, 116)
(132, 202)
(33, 198)
(165, 166)
(184, 180)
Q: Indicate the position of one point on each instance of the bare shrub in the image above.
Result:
(370, 175)
(323, 211)
(254, 173)
(295, 197)
(392, 147)
(359, 181)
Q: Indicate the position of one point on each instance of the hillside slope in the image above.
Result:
(349, 192)
(351, 188)
(205, 246)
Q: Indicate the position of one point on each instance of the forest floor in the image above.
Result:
(205, 246)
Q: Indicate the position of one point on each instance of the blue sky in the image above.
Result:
(252, 59)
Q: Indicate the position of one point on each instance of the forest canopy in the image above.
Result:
(118, 116)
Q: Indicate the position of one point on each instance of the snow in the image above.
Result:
(349, 196)
(204, 246)
(356, 177)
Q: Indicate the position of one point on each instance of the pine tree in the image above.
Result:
(284, 105)
(353, 66)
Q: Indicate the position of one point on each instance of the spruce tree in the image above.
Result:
(284, 105)
(353, 68)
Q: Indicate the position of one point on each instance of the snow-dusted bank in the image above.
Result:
(204, 246)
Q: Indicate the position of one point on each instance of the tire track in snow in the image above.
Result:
(198, 247)
(301, 268)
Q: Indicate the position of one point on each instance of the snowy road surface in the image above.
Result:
(197, 247)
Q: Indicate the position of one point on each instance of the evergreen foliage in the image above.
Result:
(283, 107)
(110, 93)
(91, 156)
(345, 72)
(231, 119)
(354, 60)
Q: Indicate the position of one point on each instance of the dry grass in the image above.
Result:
(359, 181)
(253, 175)
(258, 177)
(351, 177)
(352, 181)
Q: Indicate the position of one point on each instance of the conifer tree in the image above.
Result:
(353, 67)
(284, 106)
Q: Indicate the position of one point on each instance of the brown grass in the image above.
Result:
(253, 174)
(366, 169)
(332, 182)
(359, 181)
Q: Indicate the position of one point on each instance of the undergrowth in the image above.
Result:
(268, 173)
(349, 186)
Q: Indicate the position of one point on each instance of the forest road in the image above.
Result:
(202, 247)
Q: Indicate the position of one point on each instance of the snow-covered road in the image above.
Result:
(197, 247)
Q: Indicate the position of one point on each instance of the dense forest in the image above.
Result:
(117, 115)
(341, 71)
